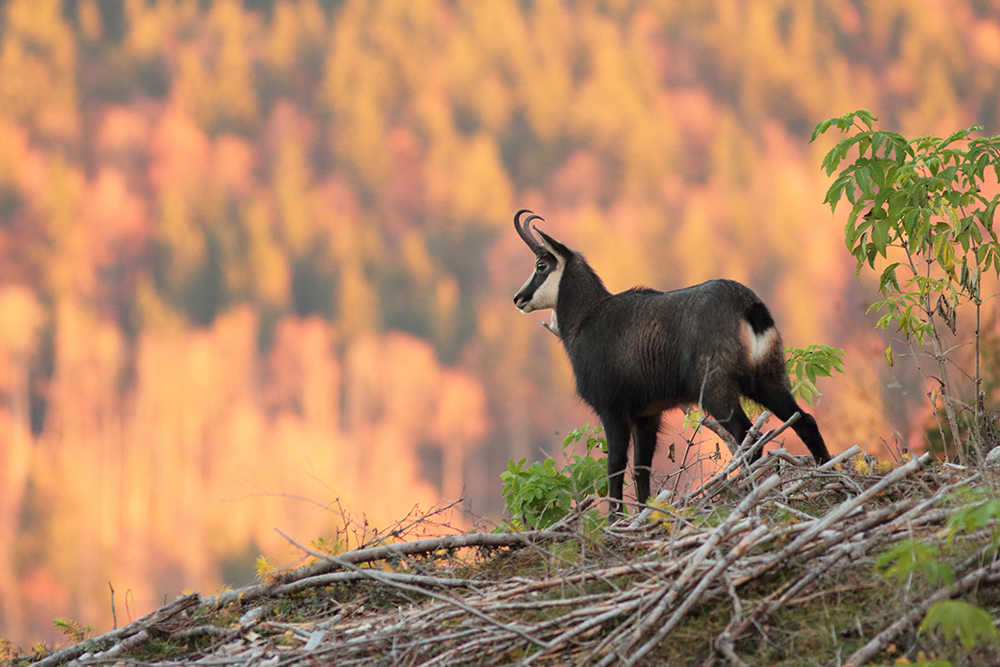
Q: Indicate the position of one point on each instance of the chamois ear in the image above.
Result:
(553, 246)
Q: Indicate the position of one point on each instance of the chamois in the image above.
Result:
(641, 352)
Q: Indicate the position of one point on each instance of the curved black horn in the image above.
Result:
(524, 232)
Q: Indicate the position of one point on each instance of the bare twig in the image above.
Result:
(612, 599)
(912, 617)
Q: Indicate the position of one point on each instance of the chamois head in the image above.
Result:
(542, 289)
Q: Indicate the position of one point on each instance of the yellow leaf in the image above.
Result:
(264, 566)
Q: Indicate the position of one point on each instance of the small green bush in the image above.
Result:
(545, 492)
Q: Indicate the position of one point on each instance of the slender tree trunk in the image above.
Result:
(946, 388)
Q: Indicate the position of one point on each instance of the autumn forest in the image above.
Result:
(257, 260)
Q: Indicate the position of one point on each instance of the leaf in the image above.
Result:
(939, 572)
(888, 279)
(821, 128)
(264, 566)
(947, 313)
(888, 355)
(880, 235)
(905, 558)
(957, 618)
(866, 117)
(973, 518)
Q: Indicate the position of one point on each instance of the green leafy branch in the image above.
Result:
(918, 210)
(805, 364)
(545, 492)
(952, 618)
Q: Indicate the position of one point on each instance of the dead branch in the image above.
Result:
(611, 599)
(143, 628)
(912, 617)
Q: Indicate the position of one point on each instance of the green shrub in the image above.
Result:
(545, 492)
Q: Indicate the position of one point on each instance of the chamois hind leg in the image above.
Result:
(783, 405)
(618, 434)
(723, 403)
(645, 431)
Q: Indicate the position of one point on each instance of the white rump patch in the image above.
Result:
(758, 345)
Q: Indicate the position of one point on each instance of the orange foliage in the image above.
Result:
(252, 262)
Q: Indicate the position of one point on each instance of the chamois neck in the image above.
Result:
(581, 291)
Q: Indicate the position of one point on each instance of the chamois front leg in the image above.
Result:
(644, 443)
(617, 431)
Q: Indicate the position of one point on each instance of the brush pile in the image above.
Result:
(761, 568)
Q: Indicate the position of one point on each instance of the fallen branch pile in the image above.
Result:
(614, 598)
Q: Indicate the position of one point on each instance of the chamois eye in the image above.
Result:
(540, 267)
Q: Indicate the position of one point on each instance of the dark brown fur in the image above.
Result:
(641, 352)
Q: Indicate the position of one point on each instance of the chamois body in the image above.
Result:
(640, 352)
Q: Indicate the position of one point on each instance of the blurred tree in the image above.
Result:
(270, 240)
(233, 97)
(268, 264)
(37, 67)
(21, 317)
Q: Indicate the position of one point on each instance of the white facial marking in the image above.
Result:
(546, 294)
(758, 345)
(528, 307)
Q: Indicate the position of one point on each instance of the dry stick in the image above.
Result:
(593, 615)
(136, 627)
(737, 459)
(426, 546)
(839, 512)
(592, 622)
(734, 462)
(668, 567)
(724, 643)
(741, 548)
(830, 568)
(722, 479)
(417, 624)
(746, 451)
(379, 577)
(341, 577)
(884, 519)
(770, 460)
(884, 638)
(826, 467)
(904, 510)
(729, 635)
(368, 633)
(114, 614)
(382, 552)
(664, 567)
(726, 640)
(695, 561)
